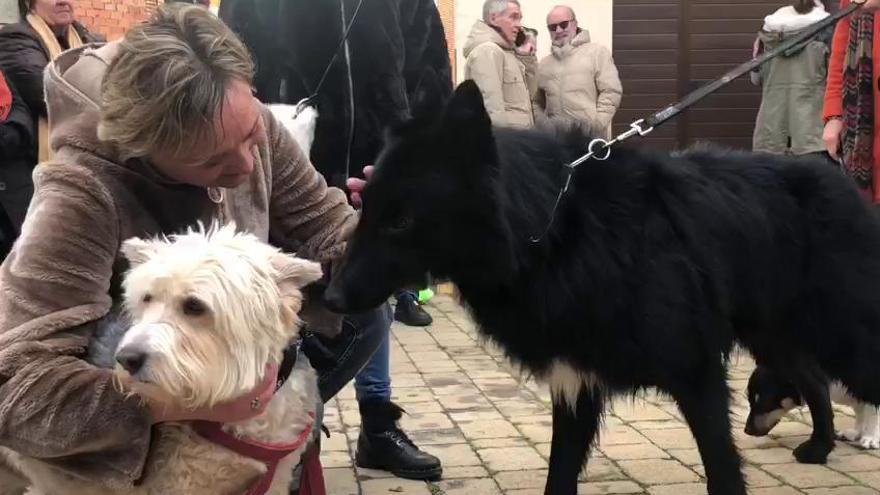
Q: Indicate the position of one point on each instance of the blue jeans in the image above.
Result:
(361, 351)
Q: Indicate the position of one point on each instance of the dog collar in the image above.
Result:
(269, 454)
(282, 373)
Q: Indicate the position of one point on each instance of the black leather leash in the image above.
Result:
(600, 149)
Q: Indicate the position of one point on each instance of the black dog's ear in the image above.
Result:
(466, 113)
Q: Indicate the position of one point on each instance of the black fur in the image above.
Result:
(767, 392)
(654, 267)
(395, 47)
(768, 389)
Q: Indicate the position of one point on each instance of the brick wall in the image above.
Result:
(447, 15)
(112, 17)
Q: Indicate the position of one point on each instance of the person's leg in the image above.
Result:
(408, 310)
(373, 381)
(381, 443)
(339, 360)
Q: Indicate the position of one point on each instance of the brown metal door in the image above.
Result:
(648, 56)
(711, 37)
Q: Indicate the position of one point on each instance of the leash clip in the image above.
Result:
(634, 128)
(301, 105)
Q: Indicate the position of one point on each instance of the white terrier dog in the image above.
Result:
(211, 312)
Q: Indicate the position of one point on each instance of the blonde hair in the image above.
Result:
(167, 83)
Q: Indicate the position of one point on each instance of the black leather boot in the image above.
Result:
(383, 445)
(409, 312)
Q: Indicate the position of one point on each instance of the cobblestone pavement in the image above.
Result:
(467, 406)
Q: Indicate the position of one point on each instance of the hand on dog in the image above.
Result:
(165, 409)
(356, 185)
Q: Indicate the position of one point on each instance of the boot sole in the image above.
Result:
(429, 474)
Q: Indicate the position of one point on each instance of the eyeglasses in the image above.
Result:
(563, 25)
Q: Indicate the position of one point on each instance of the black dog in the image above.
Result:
(772, 394)
(770, 397)
(653, 267)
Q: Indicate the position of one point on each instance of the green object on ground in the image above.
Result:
(425, 295)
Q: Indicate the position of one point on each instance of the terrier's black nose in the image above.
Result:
(131, 359)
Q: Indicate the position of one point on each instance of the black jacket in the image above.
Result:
(17, 158)
(395, 47)
(23, 58)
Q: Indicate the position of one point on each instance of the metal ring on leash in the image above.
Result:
(594, 153)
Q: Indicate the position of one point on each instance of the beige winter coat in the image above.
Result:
(506, 79)
(579, 81)
(65, 270)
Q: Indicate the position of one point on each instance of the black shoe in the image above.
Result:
(409, 312)
(383, 445)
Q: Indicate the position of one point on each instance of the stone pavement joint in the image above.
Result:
(491, 429)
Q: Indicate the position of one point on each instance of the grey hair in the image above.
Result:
(492, 7)
(164, 89)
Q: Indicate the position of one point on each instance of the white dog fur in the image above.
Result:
(301, 126)
(250, 294)
(866, 432)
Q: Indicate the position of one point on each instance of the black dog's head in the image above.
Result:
(770, 396)
(427, 196)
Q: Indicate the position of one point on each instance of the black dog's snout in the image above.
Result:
(335, 300)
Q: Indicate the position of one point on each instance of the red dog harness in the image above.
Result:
(270, 454)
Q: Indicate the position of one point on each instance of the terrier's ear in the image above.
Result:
(138, 251)
(295, 272)
(292, 275)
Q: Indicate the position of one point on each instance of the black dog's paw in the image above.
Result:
(812, 452)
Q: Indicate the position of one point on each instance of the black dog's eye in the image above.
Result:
(400, 223)
(147, 298)
(194, 307)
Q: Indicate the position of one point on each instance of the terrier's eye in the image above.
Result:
(194, 307)
(147, 298)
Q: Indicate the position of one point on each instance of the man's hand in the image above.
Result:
(831, 135)
(356, 185)
(528, 48)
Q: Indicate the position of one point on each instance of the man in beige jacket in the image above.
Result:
(505, 77)
(578, 81)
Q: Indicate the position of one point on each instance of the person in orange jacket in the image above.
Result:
(852, 98)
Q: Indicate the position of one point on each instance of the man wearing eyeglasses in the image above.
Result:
(578, 81)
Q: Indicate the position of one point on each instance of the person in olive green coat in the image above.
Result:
(790, 118)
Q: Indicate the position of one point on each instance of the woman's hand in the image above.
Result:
(831, 135)
(356, 185)
(871, 5)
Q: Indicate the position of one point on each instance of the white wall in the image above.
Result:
(8, 11)
(595, 15)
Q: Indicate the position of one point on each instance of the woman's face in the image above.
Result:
(56, 13)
